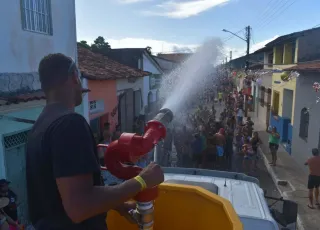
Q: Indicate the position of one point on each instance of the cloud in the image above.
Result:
(238, 52)
(185, 9)
(132, 1)
(157, 46)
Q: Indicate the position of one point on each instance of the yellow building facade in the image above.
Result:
(285, 55)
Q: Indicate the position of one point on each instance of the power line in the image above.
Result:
(278, 13)
(271, 5)
(232, 36)
(271, 10)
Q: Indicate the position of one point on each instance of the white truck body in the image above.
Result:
(242, 191)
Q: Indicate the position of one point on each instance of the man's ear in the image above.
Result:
(75, 77)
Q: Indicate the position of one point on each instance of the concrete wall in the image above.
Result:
(22, 50)
(261, 111)
(106, 91)
(306, 98)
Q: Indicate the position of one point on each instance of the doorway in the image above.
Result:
(287, 103)
(276, 102)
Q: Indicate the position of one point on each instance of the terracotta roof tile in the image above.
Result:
(310, 66)
(98, 67)
(25, 97)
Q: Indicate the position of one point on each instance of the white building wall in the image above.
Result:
(149, 67)
(22, 50)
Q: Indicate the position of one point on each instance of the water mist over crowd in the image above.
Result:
(188, 82)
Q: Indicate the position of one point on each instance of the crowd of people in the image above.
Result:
(227, 143)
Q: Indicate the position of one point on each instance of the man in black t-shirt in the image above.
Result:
(64, 184)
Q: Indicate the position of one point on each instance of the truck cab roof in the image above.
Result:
(243, 192)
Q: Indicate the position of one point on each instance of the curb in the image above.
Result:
(275, 180)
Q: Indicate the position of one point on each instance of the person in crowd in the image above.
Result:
(64, 185)
(197, 148)
(250, 103)
(274, 140)
(4, 218)
(255, 142)
(314, 178)
(240, 115)
(116, 134)
(12, 208)
(248, 156)
(186, 150)
(229, 148)
(238, 141)
(249, 122)
(106, 133)
(220, 97)
(220, 141)
(167, 145)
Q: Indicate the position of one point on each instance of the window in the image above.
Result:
(36, 16)
(304, 123)
(96, 106)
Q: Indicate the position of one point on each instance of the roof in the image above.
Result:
(288, 37)
(161, 58)
(262, 50)
(176, 57)
(310, 66)
(131, 56)
(25, 97)
(127, 56)
(95, 66)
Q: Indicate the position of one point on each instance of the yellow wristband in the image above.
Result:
(141, 182)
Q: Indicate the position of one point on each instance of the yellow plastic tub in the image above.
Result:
(185, 207)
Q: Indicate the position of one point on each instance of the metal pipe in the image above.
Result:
(146, 213)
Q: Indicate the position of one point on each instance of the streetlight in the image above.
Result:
(247, 40)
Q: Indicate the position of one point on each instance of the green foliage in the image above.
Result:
(100, 46)
(84, 44)
(149, 50)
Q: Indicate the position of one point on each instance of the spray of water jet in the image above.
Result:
(189, 80)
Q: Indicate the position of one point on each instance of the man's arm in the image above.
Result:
(74, 162)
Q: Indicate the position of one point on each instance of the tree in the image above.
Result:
(149, 50)
(100, 46)
(84, 44)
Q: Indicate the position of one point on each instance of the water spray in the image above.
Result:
(128, 149)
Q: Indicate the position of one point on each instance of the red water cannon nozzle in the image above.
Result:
(130, 146)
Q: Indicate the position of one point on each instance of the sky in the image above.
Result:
(182, 25)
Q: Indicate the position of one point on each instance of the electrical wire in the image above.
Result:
(269, 10)
(277, 13)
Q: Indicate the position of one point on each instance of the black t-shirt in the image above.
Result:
(61, 144)
(11, 209)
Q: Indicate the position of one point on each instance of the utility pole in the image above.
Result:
(230, 55)
(248, 38)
